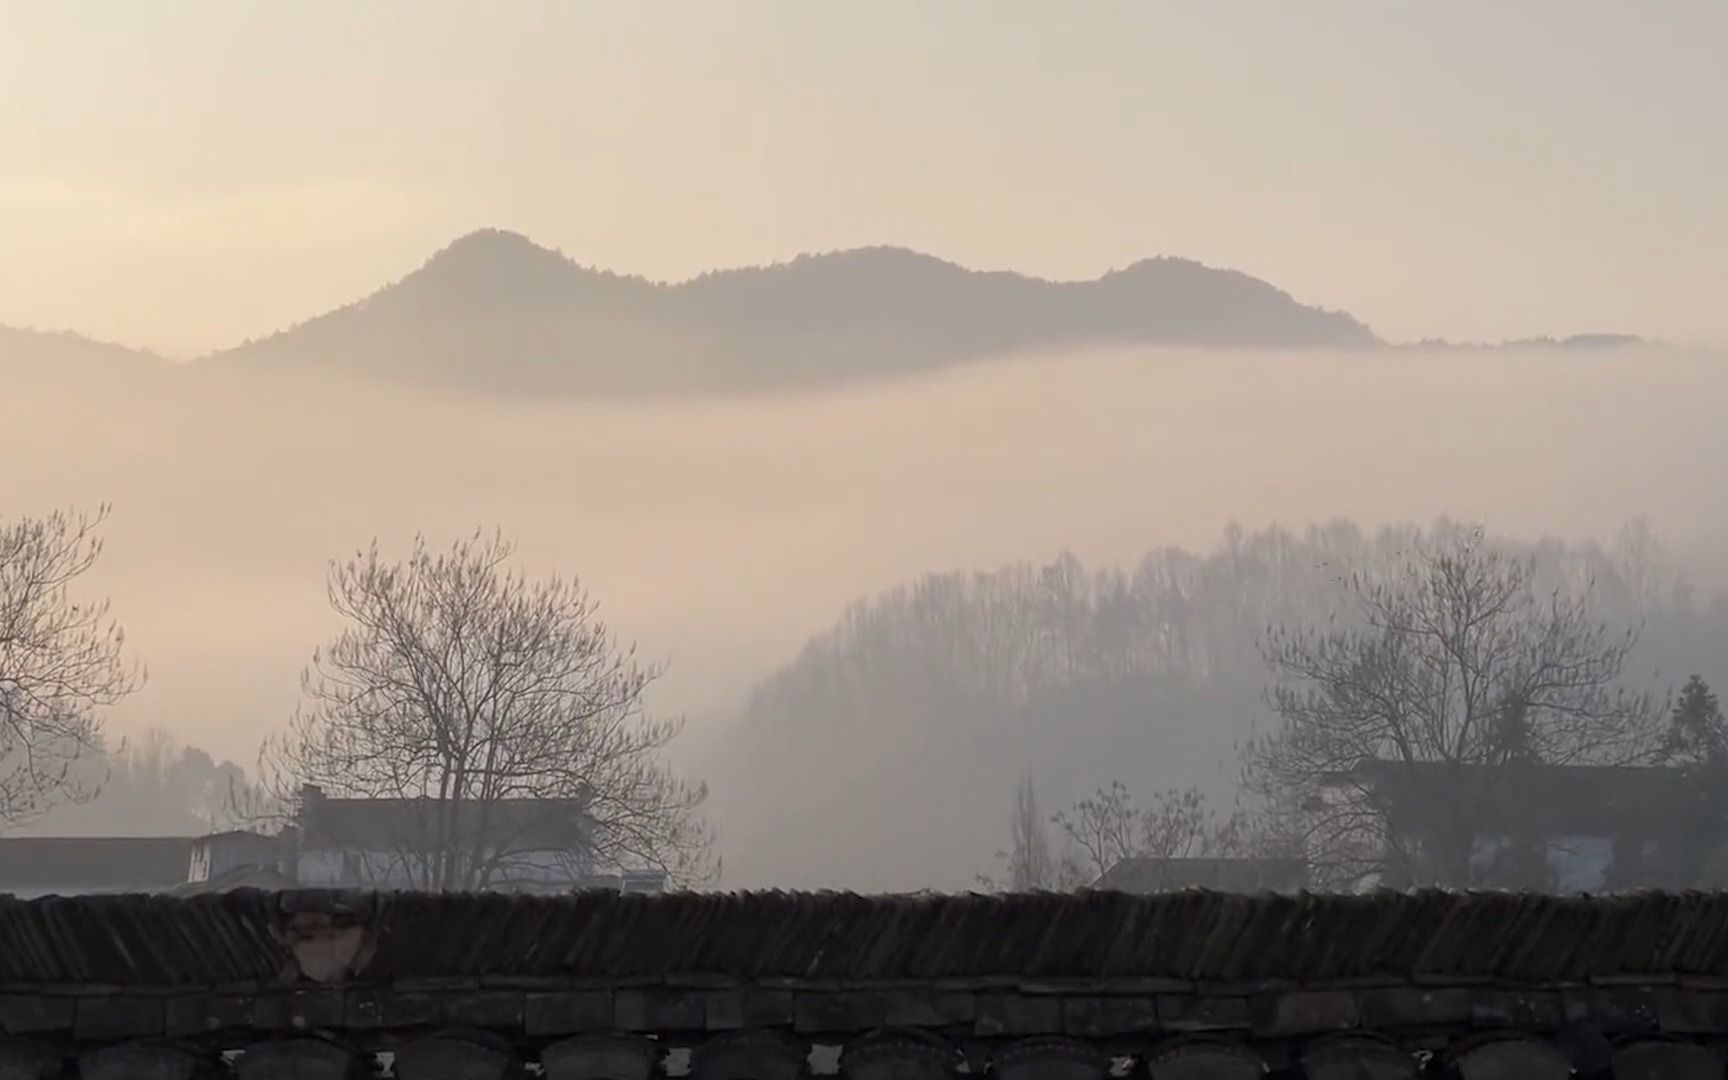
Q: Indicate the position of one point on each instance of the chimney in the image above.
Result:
(311, 807)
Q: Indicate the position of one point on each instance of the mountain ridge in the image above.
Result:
(43, 350)
(493, 310)
(496, 312)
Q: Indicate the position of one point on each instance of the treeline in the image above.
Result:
(151, 785)
(900, 733)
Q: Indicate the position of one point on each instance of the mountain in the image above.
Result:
(1581, 341)
(38, 352)
(495, 311)
(1574, 343)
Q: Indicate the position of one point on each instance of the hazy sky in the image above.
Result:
(185, 175)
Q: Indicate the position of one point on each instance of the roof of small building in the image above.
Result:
(93, 863)
(241, 877)
(414, 824)
(231, 833)
(1241, 875)
(1586, 798)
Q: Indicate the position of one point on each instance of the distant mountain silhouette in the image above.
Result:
(64, 352)
(497, 312)
(1575, 343)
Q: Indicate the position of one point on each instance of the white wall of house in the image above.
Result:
(1485, 848)
(1580, 863)
(527, 871)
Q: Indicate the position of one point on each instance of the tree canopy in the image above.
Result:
(458, 681)
(61, 663)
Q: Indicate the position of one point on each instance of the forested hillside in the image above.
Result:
(895, 738)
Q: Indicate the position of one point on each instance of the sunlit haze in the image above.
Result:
(185, 176)
(944, 393)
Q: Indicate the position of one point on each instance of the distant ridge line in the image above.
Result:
(494, 312)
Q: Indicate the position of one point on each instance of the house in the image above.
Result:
(220, 854)
(32, 866)
(509, 845)
(222, 862)
(1565, 828)
(1238, 875)
(512, 845)
(626, 881)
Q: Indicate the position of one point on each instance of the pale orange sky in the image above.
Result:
(186, 175)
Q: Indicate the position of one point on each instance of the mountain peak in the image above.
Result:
(490, 267)
(490, 243)
(491, 250)
(1164, 269)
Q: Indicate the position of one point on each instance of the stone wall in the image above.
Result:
(617, 987)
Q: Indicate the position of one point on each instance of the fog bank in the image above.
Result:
(721, 534)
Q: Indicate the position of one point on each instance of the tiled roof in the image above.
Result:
(93, 863)
(240, 877)
(238, 936)
(1146, 875)
(415, 824)
(1601, 799)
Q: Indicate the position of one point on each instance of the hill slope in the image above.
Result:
(42, 353)
(885, 754)
(495, 311)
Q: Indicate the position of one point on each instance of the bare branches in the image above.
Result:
(1108, 828)
(459, 682)
(1457, 658)
(60, 662)
(1030, 865)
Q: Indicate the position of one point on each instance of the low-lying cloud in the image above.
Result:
(721, 533)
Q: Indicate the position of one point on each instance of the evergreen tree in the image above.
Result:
(1697, 742)
(1697, 732)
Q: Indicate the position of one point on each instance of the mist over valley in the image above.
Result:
(722, 534)
(550, 447)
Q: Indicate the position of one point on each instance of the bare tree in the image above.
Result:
(1457, 660)
(1108, 828)
(61, 663)
(1104, 826)
(484, 696)
(1029, 864)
